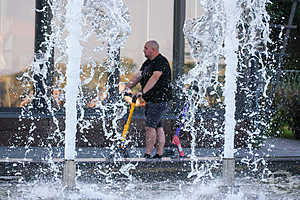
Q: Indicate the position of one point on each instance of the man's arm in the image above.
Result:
(152, 81)
(136, 78)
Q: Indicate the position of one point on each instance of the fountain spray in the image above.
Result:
(74, 51)
(232, 12)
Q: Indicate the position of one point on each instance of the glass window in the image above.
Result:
(16, 47)
(150, 19)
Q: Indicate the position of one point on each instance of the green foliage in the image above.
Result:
(285, 120)
(287, 133)
(286, 103)
(279, 12)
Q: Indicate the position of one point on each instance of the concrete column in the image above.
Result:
(69, 174)
(178, 38)
(43, 55)
(228, 171)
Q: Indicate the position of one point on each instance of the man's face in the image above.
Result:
(148, 51)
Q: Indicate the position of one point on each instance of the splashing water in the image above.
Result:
(247, 190)
(253, 80)
(73, 18)
(205, 36)
(81, 71)
(242, 27)
(108, 23)
(232, 12)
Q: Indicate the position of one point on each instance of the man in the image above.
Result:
(155, 79)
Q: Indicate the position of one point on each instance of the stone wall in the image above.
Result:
(14, 132)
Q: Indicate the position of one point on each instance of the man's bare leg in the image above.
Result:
(161, 140)
(150, 139)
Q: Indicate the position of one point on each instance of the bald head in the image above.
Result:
(151, 49)
(153, 44)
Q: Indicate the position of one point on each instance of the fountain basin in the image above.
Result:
(93, 163)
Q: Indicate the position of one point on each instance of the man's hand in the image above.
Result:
(125, 90)
(139, 94)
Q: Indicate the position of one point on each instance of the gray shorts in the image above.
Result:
(154, 113)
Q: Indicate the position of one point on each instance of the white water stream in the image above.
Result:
(232, 13)
(74, 52)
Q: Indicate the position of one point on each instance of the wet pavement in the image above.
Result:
(271, 148)
(277, 154)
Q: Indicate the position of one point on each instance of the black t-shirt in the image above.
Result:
(161, 91)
